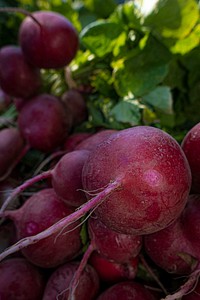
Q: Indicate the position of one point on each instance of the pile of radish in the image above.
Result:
(115, 214)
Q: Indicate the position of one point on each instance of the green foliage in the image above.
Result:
(137, 68)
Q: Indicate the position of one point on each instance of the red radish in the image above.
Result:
(20, 280)
(152, 193)
(65, 178)
(7, 235)
(52, 43)
(74, 139)
(58, 284)
(117, 247)
(5, 100)
(17, 77)
(44, 123)
(139, 190)
(39, 212)
(176, 248)
(95, 139)
(112, 272)
(126, 290)
(76, 104)
(113, 245)
(191, 148)
(10, 139)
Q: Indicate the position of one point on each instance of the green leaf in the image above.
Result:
(160, 99)
(102, 11)
(144, 71)
(173, 18)
(126, 112)
(103, 37)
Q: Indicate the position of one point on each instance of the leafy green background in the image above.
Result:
(133, 68)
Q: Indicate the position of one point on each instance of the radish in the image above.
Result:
(44, 123)
(76, 104)
(111, 272)
(137, 188)
(191, 148)
(174, 248)
(10, 138)
(51, 42)
(17, 77)
(117, 247)
(39, 212)
(126, 290)
(58, 284)
(74, 139)
(20, 280)
(65, 179)
(95, 139)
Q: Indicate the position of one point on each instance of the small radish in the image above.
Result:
(10, 138)
(117, 247)
(58, 284)
(65, 178)
(95, 139)
(17, 77)
(191, 148)
(111, 272)
(44, 123)
(39, 212)
(51, 42)
(76, 104)
(126, 290)
(20, 280)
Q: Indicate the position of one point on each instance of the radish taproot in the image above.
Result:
(51, 42)
(20, 280)
(140, 179)
(39, 212)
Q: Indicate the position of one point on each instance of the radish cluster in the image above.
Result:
(110, 206)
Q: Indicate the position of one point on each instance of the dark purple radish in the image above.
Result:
(65, 178)
(12, 149)
(44, 123)
(7, 235)
(176, 248)
(58, 284)
(126, 290)
(117, 247)
(111, 272)
(17, 77)
(191, 148)
(76, 104)
(137, 186)
(113, 245)
(39, 212)
(5, 100)
(52, 43)
(170, 249)
(95, 139)
(20, 280)
(74, 139)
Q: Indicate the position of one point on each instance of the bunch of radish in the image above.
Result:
(113, 204)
